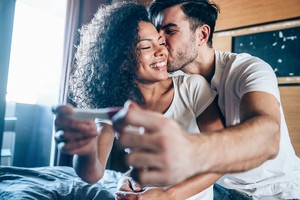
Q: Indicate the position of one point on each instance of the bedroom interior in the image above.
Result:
(29, 160)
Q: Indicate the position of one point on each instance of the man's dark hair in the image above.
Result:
(198, 12)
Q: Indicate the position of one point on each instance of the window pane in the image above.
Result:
(36, 53)
(33, 81)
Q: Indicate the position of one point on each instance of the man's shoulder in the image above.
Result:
(233, 63)
(238, 58)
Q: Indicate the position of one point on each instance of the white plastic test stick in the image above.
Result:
(89, 114)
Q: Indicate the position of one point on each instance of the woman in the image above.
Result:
(121, 56)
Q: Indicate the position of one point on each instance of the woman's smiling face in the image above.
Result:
(153, 54)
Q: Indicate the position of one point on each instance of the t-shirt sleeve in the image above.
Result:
(256, 75)
(200, 93)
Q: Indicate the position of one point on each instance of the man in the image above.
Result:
(256, 142)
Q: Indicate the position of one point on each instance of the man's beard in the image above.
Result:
(179, 60)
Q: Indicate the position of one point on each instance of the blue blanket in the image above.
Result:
(54, 183)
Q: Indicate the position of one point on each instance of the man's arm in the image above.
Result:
(167, 150)
(192, 186)
(252, 142)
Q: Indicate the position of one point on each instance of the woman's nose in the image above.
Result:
(161, 51)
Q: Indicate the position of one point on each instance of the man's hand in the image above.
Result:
(161, 154)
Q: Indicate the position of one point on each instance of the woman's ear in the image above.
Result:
(202, 34)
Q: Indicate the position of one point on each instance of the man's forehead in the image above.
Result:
(173, 16)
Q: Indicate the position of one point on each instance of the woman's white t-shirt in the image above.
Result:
(192, 95)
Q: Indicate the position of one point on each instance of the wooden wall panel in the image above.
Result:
(290, 99)
(237, 13)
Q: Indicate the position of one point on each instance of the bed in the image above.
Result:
(58, 182)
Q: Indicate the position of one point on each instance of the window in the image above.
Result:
(34, 80)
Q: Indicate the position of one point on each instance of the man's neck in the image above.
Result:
(203, 65)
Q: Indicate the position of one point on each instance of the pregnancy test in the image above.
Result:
(89, 114)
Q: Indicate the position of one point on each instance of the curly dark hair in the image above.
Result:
(198, 12)
(107, 59)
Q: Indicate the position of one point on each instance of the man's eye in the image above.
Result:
(170, 31)
(162, 44)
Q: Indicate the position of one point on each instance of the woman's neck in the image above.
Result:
(157, 96)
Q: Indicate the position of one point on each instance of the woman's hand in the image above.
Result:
(74, 136)
(127, 188)
(146, 194)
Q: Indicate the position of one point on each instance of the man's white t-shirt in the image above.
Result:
(192, 95)
(236, 75)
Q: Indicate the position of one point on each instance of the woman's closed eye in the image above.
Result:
(142, 45)
(145, 47)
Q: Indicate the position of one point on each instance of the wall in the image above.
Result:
(254, 12)
(237, 13)
(7, 10)
(33, 135)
